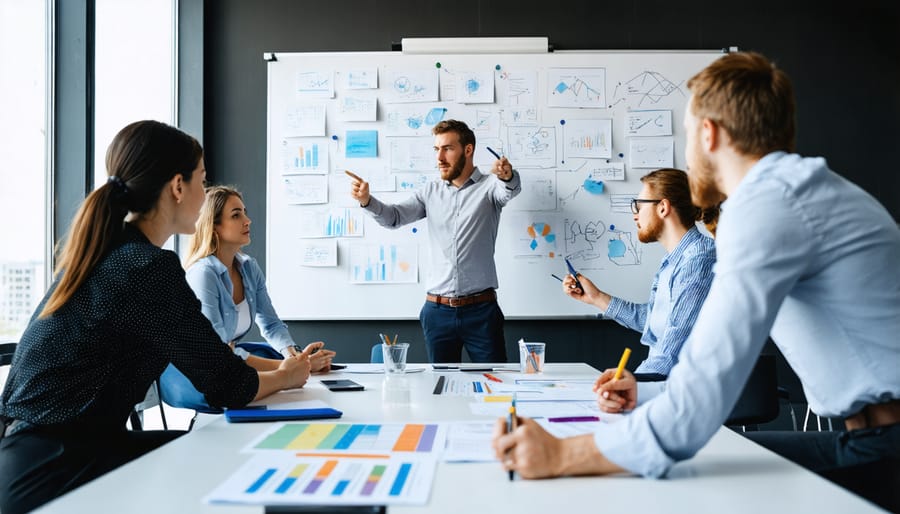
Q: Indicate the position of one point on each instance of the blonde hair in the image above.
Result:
(205, 241)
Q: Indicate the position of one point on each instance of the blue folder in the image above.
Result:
(266, 414)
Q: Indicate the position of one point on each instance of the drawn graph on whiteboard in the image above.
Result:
(331, 223)
(577, 87)
(302, 156)
(622, 249)
(384, 263)
(584, 241)
(588, 138)
(645, 89)
(532, 147)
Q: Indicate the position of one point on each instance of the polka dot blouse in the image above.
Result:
(94, 359)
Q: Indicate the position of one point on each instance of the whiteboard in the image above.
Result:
(581, 127)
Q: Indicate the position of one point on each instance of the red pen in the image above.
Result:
(492, 377)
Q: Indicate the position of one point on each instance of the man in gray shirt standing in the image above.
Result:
(463, 212)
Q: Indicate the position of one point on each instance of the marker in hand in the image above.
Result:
(574, 275)
(489, 149)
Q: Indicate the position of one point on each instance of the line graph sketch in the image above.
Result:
(577, 87)
(646, 89)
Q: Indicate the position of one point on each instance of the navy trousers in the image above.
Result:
(823, 451)
(477, 327)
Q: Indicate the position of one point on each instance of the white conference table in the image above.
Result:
(730, 474)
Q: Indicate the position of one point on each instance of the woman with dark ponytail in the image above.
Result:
(119, 311)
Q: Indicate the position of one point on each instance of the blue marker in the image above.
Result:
(489, 149)
(574, 275)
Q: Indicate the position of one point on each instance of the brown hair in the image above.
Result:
(205, 242)
(672, 185)
(141, 159)
(744, 93)
(466, 136)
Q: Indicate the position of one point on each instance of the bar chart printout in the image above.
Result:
(283, 478)
(418, 438)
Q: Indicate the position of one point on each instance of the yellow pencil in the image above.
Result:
(622, 362)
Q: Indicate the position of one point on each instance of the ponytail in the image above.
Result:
(141, 160)
(97, 225)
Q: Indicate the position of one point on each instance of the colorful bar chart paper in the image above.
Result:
(351, 438)
(282, 478)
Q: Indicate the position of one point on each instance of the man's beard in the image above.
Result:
(651, 232)
(455, 170)
(704, 191)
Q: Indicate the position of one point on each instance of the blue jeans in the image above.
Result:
(477, 327)
(178, 391)
(823, 451)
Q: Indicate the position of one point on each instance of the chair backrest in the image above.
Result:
(758, 402)
(6, 353)
(377, 356)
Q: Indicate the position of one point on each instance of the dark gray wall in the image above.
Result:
(844, 60)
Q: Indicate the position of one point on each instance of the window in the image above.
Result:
(134, 67)
(24, 94)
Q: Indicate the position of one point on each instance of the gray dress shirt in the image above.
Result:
(462, 229)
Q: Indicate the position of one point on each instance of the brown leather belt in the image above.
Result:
(875, 415)
(461, 301)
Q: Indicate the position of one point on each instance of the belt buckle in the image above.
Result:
(455, 301)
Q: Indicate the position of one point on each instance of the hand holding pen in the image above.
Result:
(616, 388)
(502, 168)
(581, 288)
(527, 449)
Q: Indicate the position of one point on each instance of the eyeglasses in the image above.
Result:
(635, 201)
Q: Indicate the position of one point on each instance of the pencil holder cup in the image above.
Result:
(531, 357)
(394, 357)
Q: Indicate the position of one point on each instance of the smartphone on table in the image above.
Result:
(342, 385)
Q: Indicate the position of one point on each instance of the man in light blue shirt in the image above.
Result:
(802, 254)
(663, 213)
(463, 213)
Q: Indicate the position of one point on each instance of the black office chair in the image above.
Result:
(6, 353)
(759, 400)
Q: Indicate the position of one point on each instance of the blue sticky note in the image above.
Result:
(362, 143)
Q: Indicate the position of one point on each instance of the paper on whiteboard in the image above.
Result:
(316, 84)
(304, 120)
(305, 156)
(473, 87)
(577, 87)
(650, 152)
(384, 263)
(305, 189)
(587, 138)
(318, 253)
(411, 86)
(340, 222)
(648, 123)
(361, 78)
(607, 172)
(357, 108)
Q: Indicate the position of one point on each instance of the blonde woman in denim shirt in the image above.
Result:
(232, 291)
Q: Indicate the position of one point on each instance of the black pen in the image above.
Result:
(489, 149)
(557, 278)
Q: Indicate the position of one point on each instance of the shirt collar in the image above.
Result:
(692, 235)
(220, 268)
(476, 176)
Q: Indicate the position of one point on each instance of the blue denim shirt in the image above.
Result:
(209, 279)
